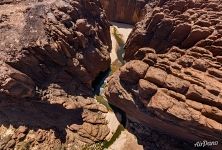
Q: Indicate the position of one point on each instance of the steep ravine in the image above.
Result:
(62, 85)
(129, 134)
(119, 34)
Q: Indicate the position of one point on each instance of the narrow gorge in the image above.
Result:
(110, 74)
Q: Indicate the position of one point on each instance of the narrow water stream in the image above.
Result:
(119, 34)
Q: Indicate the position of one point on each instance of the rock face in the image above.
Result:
(183, 23)
(178, 94)
(50, 53)
(68, 35)
(125, 11)
(172, 80)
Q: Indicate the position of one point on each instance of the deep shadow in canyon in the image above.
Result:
(36, 115)
(99, 81)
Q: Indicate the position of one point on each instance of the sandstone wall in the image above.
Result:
(176, 92)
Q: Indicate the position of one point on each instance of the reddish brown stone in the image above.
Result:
(50, 53)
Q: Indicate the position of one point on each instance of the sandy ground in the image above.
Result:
(124, 30)
(126, 141)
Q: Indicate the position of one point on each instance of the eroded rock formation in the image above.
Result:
(183, 23)
(172, 80)
(180, 93)
(50, 53)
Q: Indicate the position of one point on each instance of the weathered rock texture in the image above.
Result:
(177, 91)
(151, 139)
(69, 35)
(173, 78)
(183, 23)
(125, 11)
(50, 53)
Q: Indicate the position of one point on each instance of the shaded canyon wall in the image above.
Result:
(124, 11)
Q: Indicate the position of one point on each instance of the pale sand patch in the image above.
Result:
(115, 46)
(126, 141)
(124, 30)
(113, 124)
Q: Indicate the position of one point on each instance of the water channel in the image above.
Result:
(119, 33)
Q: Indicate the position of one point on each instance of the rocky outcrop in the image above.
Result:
(37, 125)
(15, 83)
(63, 33)
(50, 53)
(183, 23)
(125, 11)
(172, 79)
(179, 93)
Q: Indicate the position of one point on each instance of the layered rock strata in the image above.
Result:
(172, 79)
(50, 53)
(171, 94)
(183, 23)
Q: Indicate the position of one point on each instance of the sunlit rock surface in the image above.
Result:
(50, 53)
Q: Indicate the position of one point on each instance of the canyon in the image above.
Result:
(110, 74)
